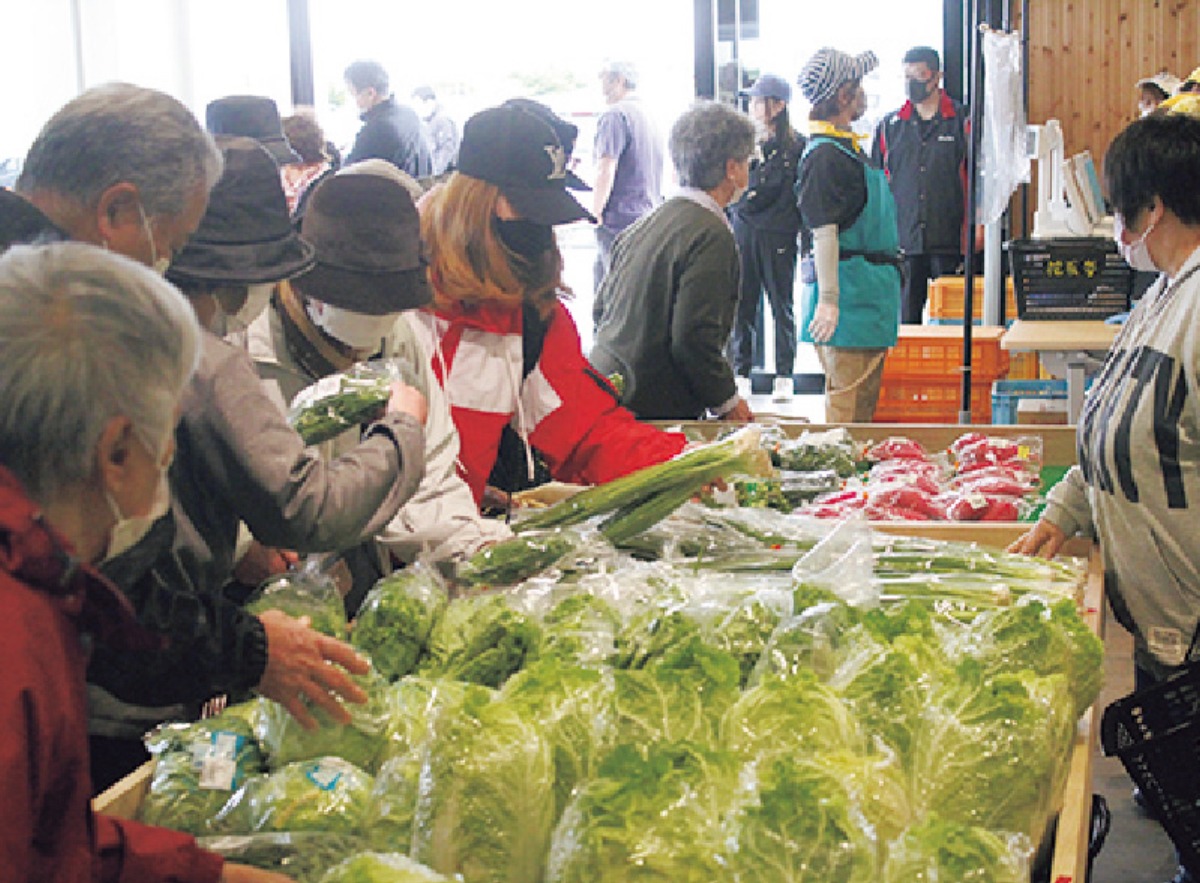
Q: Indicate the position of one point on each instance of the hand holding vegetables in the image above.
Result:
(407, 399)
(303, 664)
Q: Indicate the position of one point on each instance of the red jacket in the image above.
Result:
(48, 832)
(565, 408)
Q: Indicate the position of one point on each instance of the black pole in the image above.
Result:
(300, 37)
(1025, 104)
(976, 99)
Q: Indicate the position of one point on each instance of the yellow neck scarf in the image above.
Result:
(824, 127)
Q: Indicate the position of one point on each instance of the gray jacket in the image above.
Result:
(1137, 488)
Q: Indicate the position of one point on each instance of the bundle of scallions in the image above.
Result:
(638, 501)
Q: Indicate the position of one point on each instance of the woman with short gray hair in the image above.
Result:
(95, 351)
(664, 311)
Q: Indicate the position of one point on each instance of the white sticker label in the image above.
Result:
(218, 761)
(1167, 645)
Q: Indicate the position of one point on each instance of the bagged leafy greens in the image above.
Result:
(362, 742)
(486, 802)
(652, 813)
(328, 795)
(575, 708)
(396, 619)
(580, 628)
(801, 826)
(307, 591)
(198, 767)
(511, 561)
(481, 639)
(303, 856)
(794, 715)
(341, 401)
(377, 867)
(937, 851)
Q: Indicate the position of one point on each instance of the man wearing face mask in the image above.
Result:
(664, 311)
(360, 301)
(922, 147)
(130, 169)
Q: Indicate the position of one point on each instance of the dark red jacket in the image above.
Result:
(51, 607)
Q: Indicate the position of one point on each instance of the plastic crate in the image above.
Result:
(922, 351)
(1156, 734)
(1007, 395)
(1024, 366)
(930, 400)
(1077, 278)
(947, 300)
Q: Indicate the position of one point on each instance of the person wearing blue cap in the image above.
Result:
(850, 297)
(766, 222)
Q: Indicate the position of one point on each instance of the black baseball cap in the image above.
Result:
(567, 133)
(520, 154)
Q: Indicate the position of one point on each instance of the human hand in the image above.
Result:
(235, 873)
(408, 400)
(303, 664)
(1044, 539)
(260, 562)
(739, 413)
(824, 323)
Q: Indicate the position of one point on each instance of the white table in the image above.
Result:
(1070, 348)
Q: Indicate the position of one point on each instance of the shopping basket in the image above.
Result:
(1156, 734)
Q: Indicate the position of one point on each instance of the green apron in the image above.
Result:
(869, 299)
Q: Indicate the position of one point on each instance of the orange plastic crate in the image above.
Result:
(928, 400)
(936, 352)
(947, 298)
(1024, 366)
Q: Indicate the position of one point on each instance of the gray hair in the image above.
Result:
(623, 69)
(121, 133)
(85, 335)
(705, 138)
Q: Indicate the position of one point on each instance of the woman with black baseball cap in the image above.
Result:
(506, 350)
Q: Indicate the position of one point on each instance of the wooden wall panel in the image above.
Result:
(1085, 56)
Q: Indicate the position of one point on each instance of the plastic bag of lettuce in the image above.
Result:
(306, 591)
(199, 766)
(382, 867)
(362, 742)
(397, 617)
(328, 794)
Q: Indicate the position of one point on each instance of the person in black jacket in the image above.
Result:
(390, 130)
(923, 149)
(766, 222)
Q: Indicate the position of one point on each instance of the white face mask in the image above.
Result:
(160, 264)
(128, 532)
(257, 298)
(1136, 254)
(356, 330)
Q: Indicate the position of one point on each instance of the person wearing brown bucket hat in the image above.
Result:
(251, 116)
(239, 462)
(245, 242)
(507, 351)
(298, 342)
(850, 291)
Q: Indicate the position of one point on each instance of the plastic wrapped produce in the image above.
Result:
(306, 591)
(396, 619)
(351, 398)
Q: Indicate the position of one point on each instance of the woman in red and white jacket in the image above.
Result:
(505, 349)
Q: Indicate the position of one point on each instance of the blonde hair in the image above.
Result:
(469, 264)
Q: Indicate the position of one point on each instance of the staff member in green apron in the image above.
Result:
(850, 296)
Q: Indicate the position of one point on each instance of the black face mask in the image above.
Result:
(918, 90)
(525, 238)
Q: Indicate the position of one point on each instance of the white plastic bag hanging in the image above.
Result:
(1004, 162)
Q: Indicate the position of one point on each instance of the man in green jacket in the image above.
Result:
(664, 311)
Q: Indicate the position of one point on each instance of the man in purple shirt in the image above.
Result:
(629, 161)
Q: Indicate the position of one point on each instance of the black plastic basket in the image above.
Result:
(1077, 278)
(1156, 734)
